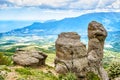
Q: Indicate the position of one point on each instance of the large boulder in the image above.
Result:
(29, 58)
(71, 55)
(97, 35)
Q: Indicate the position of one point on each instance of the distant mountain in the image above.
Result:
(113, 39)
(7, 25)
(111, 21)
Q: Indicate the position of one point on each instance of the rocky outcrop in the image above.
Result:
(29, 58)
(71, 55)
(96, 35)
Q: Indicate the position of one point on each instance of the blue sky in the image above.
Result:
(53, 9)
(43, 10)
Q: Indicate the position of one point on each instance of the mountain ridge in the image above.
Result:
(75, 24)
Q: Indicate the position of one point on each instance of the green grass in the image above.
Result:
(49, 50)
(114, 70)
(50, 59)
(92, 76)
(13, 49)
(38, 74)
(109, 57)
(4, 70)
(24, 71)
(1, 77)
(34, 74)
(68, 76)
(5, 60)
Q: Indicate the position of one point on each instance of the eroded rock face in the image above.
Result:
(71, 55)
(96, 35)
(29, 58)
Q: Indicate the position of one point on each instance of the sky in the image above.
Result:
(44, 10)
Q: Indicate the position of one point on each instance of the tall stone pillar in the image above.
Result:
(96, 35)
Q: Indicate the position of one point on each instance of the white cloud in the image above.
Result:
(84, 4)
(105, 3)
(3, 6)
(115, 5)
(53, 9)
(37, 14)
(66, 4)
(53, 3)
(96, 4)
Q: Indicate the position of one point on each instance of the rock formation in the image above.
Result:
(29, 58)
(71, 55)
(96, 35)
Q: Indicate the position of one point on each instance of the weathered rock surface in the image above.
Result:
(96, 35)
(71, 55)
(29, 58)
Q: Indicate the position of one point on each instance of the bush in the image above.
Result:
(32, 74)
(48, 76)
(23, 71)
(4, 68)
(4, 60)
(68, 76)
(114, 70)
(1, 77)
(92, 76)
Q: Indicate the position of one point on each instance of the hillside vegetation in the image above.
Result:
(45, 72)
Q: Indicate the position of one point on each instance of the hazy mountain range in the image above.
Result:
(110, 20)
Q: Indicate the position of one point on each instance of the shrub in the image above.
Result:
(68, 76)
(31, 74)
(92, 76)
(4, 60)
(48, 76)
(23, 71)
(114, 70)
(4, 68)
(1, 77)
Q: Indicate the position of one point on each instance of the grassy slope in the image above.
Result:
(109, 57)
(47, 72)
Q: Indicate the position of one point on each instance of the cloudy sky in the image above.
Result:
(53, 9)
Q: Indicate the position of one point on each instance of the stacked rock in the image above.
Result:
(71, 55)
